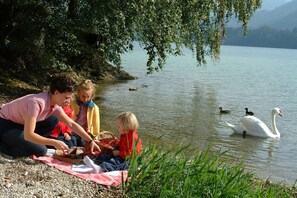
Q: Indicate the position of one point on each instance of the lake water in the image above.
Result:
(181, 104)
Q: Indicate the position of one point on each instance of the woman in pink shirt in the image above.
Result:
(26, 122)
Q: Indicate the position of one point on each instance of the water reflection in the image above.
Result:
(248, 148)
(181, 105)
(202, 116)
(193, 120)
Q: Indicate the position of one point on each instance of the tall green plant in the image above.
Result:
(174, 173)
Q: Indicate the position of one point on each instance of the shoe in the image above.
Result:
(90, 163)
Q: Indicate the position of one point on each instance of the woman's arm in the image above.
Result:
(74, 126)
(30, 135)
(78, 130)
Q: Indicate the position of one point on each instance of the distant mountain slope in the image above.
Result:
(271, 4)
(283, 17)
(262, 37)
(287, 23)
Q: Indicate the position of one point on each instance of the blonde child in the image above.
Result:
(85, 112)
(127, 125)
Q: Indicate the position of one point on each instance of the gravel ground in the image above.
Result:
(25, 177)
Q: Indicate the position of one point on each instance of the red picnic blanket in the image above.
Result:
(106, 178)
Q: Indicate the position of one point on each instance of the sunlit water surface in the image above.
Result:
(181, 104)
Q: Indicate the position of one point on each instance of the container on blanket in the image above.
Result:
(74, 155)
(105, 140)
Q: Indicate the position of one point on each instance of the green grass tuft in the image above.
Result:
(174, 173)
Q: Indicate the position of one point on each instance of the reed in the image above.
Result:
(175, 173)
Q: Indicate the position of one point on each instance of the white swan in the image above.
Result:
(250, 125)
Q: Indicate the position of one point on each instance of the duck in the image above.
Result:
(132, 89)
(224, 111)
(247, 112)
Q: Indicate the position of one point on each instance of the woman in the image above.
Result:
(26, 122)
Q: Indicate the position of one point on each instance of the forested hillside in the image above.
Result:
(275, 28)
(262, 37)
(283, 17)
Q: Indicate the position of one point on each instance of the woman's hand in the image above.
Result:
(59, 145)
(95, 149)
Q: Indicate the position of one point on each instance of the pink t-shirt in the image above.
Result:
(36, 105)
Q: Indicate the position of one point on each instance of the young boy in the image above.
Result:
(63, 132)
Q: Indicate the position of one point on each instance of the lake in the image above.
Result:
(181, 104)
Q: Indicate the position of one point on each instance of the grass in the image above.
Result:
(174, 173)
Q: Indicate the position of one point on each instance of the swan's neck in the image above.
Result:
(273, 125)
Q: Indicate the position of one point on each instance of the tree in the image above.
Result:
(87, 34)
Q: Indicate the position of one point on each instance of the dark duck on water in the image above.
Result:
(224, 111)
(247, 112)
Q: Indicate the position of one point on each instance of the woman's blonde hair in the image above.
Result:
(128, 121)
(86, 85)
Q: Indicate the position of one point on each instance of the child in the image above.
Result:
(85, 112)
(63, 132)
(129, 143)
(26, 122)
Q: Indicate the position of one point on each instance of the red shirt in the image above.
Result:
(127, 142)
(61, 127)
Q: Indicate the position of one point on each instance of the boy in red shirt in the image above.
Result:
(62, 131)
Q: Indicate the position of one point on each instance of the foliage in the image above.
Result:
(175, 173)
(86, 35)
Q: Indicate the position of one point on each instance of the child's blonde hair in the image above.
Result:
(128, 121)
(86, 85)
